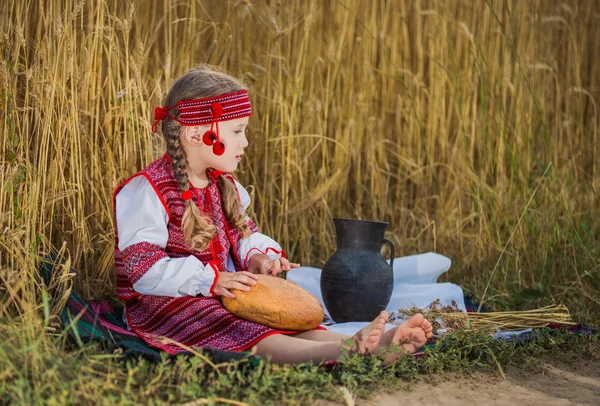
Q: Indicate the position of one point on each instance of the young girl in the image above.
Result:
(182, 238)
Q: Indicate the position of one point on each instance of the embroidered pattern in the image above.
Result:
(192, 321)
(132, 263)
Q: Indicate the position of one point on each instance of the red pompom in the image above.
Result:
(218, 148)
(209, 137)
(217, 110)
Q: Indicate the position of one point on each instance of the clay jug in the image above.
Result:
(357, 282)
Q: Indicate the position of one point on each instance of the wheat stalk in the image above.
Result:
(453, 319)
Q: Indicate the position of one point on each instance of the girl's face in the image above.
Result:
(232, 134)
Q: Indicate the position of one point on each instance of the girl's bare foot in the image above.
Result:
(367, 339)
(410, 335)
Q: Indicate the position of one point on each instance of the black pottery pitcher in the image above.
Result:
(357, 282)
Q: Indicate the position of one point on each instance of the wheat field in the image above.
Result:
(471, 127)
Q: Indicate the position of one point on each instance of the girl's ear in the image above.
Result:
(192, 135)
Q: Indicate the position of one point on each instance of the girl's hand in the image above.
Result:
(261, 264)
(234, 280)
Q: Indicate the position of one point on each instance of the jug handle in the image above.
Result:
(393, 255)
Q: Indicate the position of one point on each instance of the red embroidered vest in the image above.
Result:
(135, 260)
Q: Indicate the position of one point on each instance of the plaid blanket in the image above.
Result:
(100, 321)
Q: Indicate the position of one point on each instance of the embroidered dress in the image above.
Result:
(195, 321)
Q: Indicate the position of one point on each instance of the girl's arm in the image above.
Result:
(142, 219)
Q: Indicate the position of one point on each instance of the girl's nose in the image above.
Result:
(244, 141)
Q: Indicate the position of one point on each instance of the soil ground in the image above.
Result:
(555, 383)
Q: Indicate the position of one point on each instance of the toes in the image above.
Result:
(384, 315)
(427, 328)
(377, 329)
(416, 320)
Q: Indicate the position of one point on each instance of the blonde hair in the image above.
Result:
(199, 82)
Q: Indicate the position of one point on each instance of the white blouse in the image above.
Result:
(141, 216)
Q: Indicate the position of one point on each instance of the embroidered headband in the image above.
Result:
(208, 110)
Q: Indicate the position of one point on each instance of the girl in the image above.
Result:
(182, 238)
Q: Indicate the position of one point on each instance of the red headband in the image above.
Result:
(207, 110)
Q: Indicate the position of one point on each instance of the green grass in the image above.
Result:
(52, 370)
(438, 117)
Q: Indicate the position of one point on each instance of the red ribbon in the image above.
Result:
(159, 114)
(214, 174)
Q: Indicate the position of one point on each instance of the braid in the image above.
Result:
(177, 156)
(197, 229)
(232, 207)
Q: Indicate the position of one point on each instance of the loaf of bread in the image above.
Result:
(277, 303)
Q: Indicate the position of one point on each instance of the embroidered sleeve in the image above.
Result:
(141, 225)
(258, 243)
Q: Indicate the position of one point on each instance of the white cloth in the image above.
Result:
(415, 285)
(420, 269)
(141, 216)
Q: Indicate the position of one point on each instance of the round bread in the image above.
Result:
(276, 303)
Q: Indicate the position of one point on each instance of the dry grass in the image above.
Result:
(449, 319)
(439, 117)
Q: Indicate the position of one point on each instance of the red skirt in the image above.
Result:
(193, 321)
